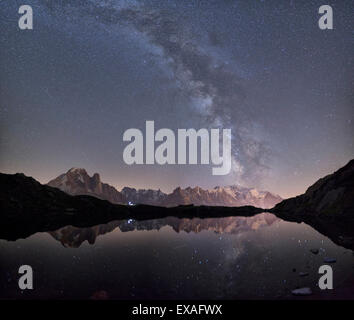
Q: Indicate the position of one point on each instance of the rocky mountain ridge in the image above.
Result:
(330, 197)
(76, 181)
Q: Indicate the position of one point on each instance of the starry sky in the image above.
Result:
(89, 70)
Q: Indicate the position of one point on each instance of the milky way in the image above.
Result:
(92, 69)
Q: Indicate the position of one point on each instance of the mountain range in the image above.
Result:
(27, 207)
(76, 181)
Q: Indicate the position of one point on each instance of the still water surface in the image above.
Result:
(257, 257)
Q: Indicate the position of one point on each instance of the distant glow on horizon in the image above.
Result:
(90, 70)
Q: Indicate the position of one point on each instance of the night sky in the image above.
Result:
(89, 70)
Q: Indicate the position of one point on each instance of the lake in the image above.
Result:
(257, 257)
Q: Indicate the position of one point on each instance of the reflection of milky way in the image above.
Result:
(227, 258)
(73, 237)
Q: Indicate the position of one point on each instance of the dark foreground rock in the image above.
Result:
(302, 292)
(330, 197)
(327, 206)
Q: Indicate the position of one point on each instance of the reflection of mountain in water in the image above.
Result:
(73, 237)
(69, 236)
